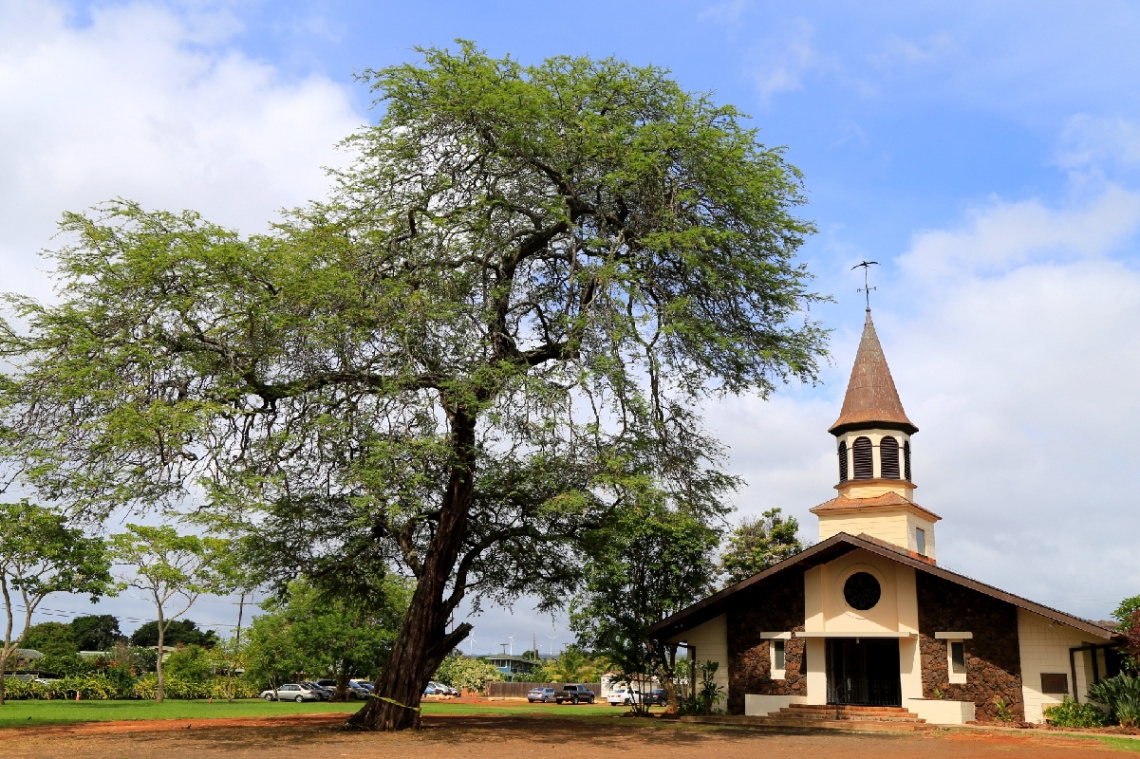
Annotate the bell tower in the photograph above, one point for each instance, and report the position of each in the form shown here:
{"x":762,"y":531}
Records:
{"x":873,"y":449}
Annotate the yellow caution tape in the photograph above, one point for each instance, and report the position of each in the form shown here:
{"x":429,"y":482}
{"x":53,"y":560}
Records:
{"x":394,"y":701}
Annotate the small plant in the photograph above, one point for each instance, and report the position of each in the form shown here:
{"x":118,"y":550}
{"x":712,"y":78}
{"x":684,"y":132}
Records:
{"x":1071,"y":714}
{"x":938,"y":693}
{"x":711,"y":691}
{"x":1121,"y":696}
{"x":1004,"y":713}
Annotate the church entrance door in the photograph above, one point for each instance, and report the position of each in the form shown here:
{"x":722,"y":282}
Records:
{"x":863,"y":672}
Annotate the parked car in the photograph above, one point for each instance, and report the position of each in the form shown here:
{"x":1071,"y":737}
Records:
{"x":358,"y":690}
{"x":442,"y":689}
{"x":290,"y":692}
{"x":323,"y":693}
{"x":658,"y":697}
{"x":542,"y":695}
{"x":574,"y":694}
{"x":624,"y":697}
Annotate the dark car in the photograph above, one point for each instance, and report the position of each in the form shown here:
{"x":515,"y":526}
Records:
{"x":323,"y":693}
{"x":658,"y":697}
{"x":574,"y":694}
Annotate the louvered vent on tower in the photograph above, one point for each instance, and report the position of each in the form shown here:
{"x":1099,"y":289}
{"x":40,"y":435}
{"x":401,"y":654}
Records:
{"x":843,"y":461}
{"x":906,"y":461}
{"x":864,"y":460}
{"x":889,"y":458}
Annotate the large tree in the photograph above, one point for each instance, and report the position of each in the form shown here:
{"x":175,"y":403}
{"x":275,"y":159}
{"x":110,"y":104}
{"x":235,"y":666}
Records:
{"x":758,"y":543}
{"x":506,"y":316}
{"x":41,"y":555}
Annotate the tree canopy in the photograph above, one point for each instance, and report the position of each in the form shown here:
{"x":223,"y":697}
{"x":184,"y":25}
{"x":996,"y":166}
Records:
{"x":180,"y":632}
{"x":503,"y":321}
{"x":759,"y":543}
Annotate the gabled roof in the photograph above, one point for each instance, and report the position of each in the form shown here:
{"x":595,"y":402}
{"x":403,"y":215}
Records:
{"x":871,"y":399}
{"x":838,"y":545}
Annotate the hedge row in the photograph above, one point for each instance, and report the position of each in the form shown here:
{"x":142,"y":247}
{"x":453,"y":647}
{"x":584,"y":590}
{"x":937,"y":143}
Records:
{"x":102,"y":688}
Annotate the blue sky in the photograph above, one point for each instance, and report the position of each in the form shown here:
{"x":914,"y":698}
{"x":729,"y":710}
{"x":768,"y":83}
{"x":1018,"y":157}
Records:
{"x":987,"y":154}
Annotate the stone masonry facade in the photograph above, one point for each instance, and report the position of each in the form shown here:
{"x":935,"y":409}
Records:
{"x":775,"y":606}
{"x":993,"y":660}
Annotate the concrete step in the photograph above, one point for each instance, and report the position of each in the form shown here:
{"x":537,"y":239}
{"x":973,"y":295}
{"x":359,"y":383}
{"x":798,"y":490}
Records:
{"x":822,"y":712}
{"x":807,"y":725}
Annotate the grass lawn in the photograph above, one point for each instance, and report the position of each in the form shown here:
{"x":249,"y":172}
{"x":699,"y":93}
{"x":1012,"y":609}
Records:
{"x":21,"y":713}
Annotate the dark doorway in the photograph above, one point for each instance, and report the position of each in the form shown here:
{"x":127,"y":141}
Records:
{"x":863,"y":672}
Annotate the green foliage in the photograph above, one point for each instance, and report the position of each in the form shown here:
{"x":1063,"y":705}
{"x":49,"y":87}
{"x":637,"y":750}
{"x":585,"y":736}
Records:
{"x":191,"y":664}
{"x":710,"y":692}
{"x":1121,"y":696}
{"x":51,"y":639}
{"x":1069,"y":713}
{"x":95,"y":632}
{"x":1004,"y":712}
{"x":645,"y":564}
{"x":758,"y":544}
{"x":179,"y":632}
{"x":574,"y":665}
{"x":1125,"y":611}
{"x":41,"y":555}
{"x":311,"y":635}
{"x":466,"y":673}
{"x":501,"y":324}
{"x":63,"y":665}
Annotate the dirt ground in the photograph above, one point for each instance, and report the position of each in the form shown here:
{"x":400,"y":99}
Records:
{"x":510,"y":738}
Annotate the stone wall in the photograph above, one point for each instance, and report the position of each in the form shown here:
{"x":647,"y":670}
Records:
{"x":776,"y":606}
{"x":993,"y":661}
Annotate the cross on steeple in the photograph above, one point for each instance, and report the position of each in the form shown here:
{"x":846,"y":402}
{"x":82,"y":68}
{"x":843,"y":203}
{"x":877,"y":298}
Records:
{"x":866,"y":288}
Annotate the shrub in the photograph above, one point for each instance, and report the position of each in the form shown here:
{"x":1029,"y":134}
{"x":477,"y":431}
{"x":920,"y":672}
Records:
{"x":1121,"y":695}
{"x":1071,"y":714}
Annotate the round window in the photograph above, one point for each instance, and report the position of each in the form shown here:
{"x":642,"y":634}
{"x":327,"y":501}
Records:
{"x":862,"y":591}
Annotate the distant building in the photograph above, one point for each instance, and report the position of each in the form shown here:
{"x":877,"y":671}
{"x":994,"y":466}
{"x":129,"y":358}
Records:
{"x":867,"y":617}
{"x":511,"y":666}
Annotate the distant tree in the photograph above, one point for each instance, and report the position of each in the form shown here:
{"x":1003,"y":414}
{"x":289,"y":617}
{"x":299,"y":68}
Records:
{"x":96,"y":632}
{"x":40,"y":555}
{"x":169,"y":567}
{"x":465,"y":673}
{"x":270,"y":656}
{"x":337,"y":636}
{"x":184,"y":632}
{"x":1125,"y":611}
{"x":51,"y":639}
{"x":758,"y":544}
{"x":646,"y":565}
{"x":519,"y":295}
{"x":573,"y":665}
{"x":190,"y":663}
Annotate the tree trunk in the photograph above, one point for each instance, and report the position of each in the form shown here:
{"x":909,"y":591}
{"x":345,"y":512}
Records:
{"x":423,"y":642}
{"x":158,"y":662}
{"x":3,"y":662}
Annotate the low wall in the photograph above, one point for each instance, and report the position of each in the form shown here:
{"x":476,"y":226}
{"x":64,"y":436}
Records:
{"x":762,"y":705}
{"x":941,"y":712}
{"x":519,"y":690}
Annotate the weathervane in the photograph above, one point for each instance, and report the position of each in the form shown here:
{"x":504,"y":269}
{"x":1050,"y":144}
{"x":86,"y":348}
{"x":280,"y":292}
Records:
{"x":866,"y":288}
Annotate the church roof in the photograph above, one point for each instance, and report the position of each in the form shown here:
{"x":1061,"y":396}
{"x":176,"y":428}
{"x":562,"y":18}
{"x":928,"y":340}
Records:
{"x":871,"y":399}
{"x":891,"y":500}
{"x":838,"y":545}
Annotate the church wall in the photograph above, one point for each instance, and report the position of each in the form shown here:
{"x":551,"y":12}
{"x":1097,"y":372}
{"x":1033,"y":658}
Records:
{"x":711,"y":643}
{"x":993,"y":657}
{"x":1045,"y":648}
{"x":884,"y":616}
{"x":775,"y":607}
{"x":891,"y":526}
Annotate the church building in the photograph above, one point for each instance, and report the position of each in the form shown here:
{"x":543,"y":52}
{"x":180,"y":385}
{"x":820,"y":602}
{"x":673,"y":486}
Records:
{"x":867,"y":618}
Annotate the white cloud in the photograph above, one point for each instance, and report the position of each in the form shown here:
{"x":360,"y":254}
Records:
{"x":782,"y":60}
{"x":150,"y":105}
{"x":1004,"y":234}
{"x":902,"y":52}
{"x":728,"y":13}
{"x":1089,"y":141}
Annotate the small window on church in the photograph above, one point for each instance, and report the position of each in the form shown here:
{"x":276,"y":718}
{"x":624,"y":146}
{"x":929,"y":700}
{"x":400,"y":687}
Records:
{"x":889,"y":458}
{"x":906,"y":461}
{"x":779,"y":661}
{"x":920,"y":540}
{"x":843,"y":461}
{"x":957,"y":656}
{"x":864,"y":461}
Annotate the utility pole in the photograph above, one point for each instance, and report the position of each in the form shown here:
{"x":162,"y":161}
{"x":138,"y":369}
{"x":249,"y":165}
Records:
{"x":237,"y":647}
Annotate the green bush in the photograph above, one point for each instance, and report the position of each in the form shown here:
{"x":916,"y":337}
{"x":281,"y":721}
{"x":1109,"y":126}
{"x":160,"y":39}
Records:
{"x":1071,"y":714}
{"x":1121,"y":695}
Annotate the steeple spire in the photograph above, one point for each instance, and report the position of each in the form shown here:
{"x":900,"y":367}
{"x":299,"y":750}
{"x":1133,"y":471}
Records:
{"x":871,"y":400}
